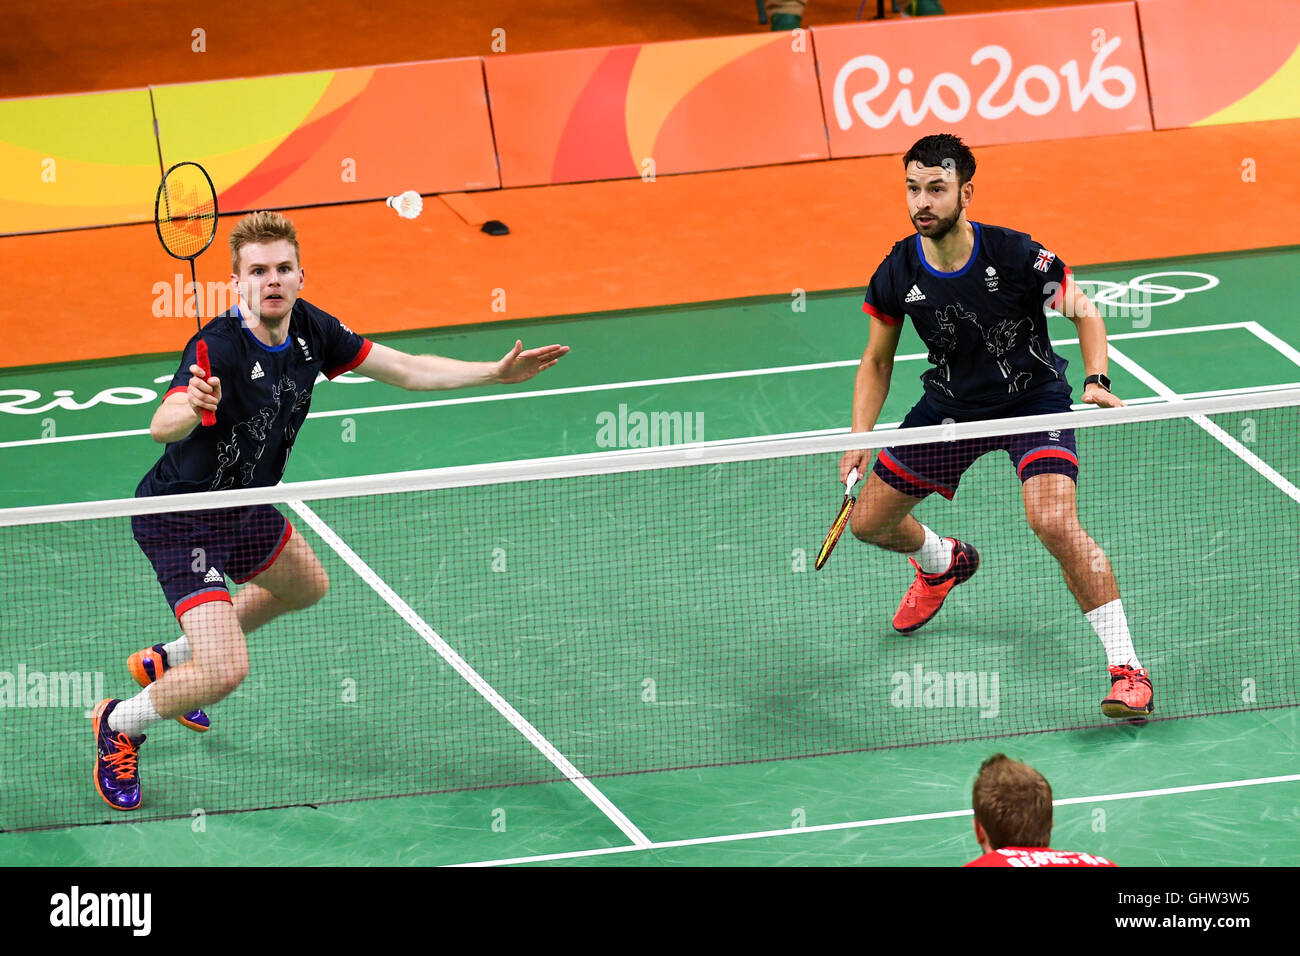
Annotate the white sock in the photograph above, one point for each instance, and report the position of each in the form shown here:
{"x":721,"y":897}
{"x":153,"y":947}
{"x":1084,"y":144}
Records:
{"x":130,"y":717}
{"x":1112,"y":627}
{"x":935,"y":553}
{"x":178,"y":651}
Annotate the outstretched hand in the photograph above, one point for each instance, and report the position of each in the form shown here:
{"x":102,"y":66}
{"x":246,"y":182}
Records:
{"x":519,"y":366}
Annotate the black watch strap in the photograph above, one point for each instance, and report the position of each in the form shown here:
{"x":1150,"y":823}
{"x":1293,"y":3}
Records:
{"x":1101,"y":380}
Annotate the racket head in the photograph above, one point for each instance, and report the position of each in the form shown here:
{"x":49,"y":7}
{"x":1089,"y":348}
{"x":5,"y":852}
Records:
{"x":185,"y":211}
{"x":837,"y":529}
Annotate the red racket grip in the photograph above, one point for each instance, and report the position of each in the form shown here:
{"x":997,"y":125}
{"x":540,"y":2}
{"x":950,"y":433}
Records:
{"x":209,"y":417}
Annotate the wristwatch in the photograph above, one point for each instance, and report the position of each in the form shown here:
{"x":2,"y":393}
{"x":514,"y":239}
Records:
{"x":1101,"y":380}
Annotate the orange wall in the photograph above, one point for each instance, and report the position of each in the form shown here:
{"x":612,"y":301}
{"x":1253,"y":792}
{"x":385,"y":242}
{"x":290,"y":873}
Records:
{"x":610,"y":113}
{"x":1196,"y":77}
{"x":646,"y":110}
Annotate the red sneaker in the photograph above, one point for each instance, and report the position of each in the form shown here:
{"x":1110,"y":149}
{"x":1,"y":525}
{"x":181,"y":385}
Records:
{"x":1130,"y":693}
{"x":928,"y":592}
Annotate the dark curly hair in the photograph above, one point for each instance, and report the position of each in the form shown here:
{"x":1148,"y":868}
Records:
{"x":943,"y":149}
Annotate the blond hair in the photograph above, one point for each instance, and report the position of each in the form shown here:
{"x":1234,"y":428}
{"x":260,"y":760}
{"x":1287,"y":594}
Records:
{"x":261,"y":227}
{"x":1013,"y":803}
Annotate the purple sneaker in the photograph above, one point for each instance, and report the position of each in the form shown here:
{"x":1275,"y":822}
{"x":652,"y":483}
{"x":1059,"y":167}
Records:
{"x":117,"y":771}
{"x":147,"y":666}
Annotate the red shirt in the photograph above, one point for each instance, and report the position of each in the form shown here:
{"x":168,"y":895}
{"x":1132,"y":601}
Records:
{"x":1038,"y":856}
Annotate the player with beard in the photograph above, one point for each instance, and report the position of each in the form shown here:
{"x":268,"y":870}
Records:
{"x":976,"y":294}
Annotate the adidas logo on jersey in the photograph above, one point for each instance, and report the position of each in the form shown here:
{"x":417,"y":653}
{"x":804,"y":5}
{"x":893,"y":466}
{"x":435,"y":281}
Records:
{"x":212,"y":577}
{"x":916,"y":295}
{"x":257,"y":371}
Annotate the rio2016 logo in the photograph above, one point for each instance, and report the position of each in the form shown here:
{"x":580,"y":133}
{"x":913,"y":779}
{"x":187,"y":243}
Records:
{"x":1036,"y":90}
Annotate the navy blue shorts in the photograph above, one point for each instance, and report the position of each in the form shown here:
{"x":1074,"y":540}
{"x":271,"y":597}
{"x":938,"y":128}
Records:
{"x":193,"y":552}
{"x":920,"y":470}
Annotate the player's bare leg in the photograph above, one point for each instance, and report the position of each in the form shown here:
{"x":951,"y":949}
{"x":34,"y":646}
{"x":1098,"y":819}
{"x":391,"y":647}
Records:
{"x":1052,"y":509}
{"x":215,"y":662}
{"x":883,"y":517}
{"x":218,"y":662}
{"x":294,"y":582}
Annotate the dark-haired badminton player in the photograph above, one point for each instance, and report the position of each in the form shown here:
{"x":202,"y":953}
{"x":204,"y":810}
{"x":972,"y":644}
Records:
{"x":977,"y":295}
{"x":266,"y":354}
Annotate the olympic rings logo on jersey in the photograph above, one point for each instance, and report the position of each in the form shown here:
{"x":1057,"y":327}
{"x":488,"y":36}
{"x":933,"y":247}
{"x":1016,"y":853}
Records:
{"x":1135,"y":298}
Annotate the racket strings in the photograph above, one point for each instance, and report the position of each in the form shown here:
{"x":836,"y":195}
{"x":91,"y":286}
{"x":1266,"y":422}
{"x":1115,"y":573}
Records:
{"x":187,"y":217}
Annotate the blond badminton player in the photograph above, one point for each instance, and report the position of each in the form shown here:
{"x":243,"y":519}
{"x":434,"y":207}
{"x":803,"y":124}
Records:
{"x":265,"y":355}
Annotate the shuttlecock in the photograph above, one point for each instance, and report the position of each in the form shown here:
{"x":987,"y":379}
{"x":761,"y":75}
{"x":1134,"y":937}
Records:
{"x":408,"y":205}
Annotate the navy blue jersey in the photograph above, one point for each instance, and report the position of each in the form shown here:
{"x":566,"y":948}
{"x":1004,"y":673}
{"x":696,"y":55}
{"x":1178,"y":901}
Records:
{"x":265,"y":395}
{"x":985,"y":325}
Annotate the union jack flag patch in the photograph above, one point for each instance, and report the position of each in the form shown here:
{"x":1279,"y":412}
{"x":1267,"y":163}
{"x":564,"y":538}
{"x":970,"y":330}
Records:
{"x":1044,"y":260}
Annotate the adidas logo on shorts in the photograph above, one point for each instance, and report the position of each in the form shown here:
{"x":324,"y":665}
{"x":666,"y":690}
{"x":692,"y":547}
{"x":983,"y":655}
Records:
{"x":212,"y":577}
{"x":257,"y":371}
{"x":916,"y":295}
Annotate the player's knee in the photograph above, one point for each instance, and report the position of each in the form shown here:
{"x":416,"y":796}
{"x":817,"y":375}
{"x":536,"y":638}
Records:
{"x":235,"y":676}
{"x":1055,"y":527}
{"x":221,"y":679}
{"x":314,"y":589}
{"x":308,"y":590}
{"x":869,"y":529}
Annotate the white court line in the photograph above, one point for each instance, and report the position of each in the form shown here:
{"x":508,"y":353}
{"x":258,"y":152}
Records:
{"x":883,"y":821}
{"x":1149,"y":333}
{"x":1234,"y":446}
{"x":612,"y":386}
{"x":476,"y":681}
{"x":510,"y":396}
{"x":59,"y":439}
{"x":1265,"y":335}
